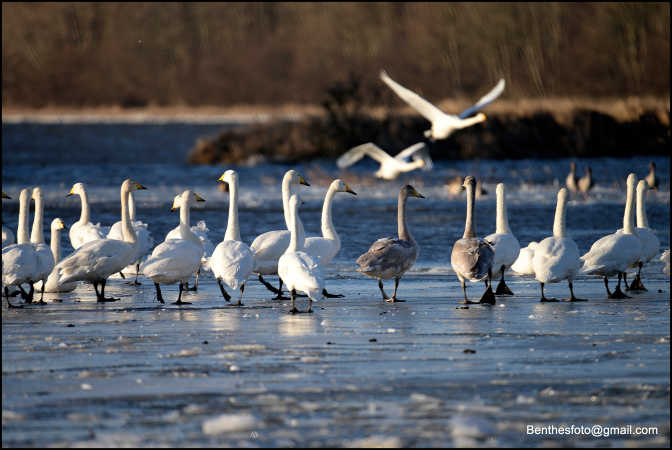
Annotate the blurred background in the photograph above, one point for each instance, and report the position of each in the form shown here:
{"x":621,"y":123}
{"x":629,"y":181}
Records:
{"x":168,"y":54}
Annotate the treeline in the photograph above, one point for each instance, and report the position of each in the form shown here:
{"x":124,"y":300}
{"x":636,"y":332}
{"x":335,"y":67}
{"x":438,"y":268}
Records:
{"x":137,"y":54}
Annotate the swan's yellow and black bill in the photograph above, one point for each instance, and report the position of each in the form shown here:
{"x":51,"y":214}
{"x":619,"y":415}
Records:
{"x":303,"y":181}
{"x":62,"y":226}
{"x":198,"y":198}
{"x":71,"y":192}
{"x":415,"y":193}
{"x":138,"y":186}
{"x":5,"y":196}
{"x":347,"y":189}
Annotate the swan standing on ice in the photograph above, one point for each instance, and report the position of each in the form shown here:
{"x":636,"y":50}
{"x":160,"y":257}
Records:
{"x":96,"y":260}
{"x":665,"y":259}
{"x":299,"y":270}
{"x":45,"y":257}
{"x":7,"y":234}
{"x":326,"y":247}
{"x":389,"y":257}
{"x":586,"y":182}
{"x":176,"y":259}
{"x":269,"y":247}
{"x":390,"y":167}
{"x":523,"y":264}
{"x":83,"y":230}
{"x":571,"y":180}
{"x":556,"y":258}
{"x":52,"y":284}
{"x":201,"y":231}
{"x":232,"y":261}
{"x":19,"y":261}
{"x":443,"y":125}
{"x":472,"y":257}
{"x":614,"y":253}
{"x":145,"y":239}
{"x":648,"y":239}
{"x":505,"y":244}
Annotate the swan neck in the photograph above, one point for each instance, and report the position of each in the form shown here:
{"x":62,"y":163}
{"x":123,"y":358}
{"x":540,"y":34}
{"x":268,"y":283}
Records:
{"x":127,"y":231}
{"x":402,"y":225}
{"x":55,"y":245}
{"x":328,"y":230}
{"x":131,"y":206}
{"x":502,"y":215}
{"x":469,"y":223}
{"x":297,"y":234}
{"x":642,"y":220}
{"x":85,"y":216}
{"x":628,"y":214}
{"x":559,"y":221}
{"x":22,"y":236}
{"x":37,"y":235}
{"x":232,"y":227}
{"x":286,"y":192}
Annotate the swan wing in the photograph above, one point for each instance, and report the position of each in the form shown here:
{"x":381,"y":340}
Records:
{"x":485,"y":100}
{"x":19,"y":262}
{"x":322,"y":248}
{"x":556,"y":259}
{"x":96,"y":260}
{"x":173,"y":260}
{"x":417,"y":151}
{"x":611,"y":253}
{"x":270,"y":245}
{"x":302,"y":272}
{"x":45,"y":261}
{"x":388,"y":257}
{"x":506,"y":248}
{"x":356,"y":153}
{"x":421,"y":105}
{"x":472,"y":258}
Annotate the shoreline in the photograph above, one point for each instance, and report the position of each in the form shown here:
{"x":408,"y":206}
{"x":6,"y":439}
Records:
{"x":562,"y":108}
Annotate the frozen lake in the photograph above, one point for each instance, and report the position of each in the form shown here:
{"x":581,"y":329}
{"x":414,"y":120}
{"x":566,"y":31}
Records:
{"x":358,"y":371}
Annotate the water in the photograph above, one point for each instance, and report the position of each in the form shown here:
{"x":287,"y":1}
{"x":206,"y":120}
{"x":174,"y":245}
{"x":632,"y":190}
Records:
{"x":139,"y":373}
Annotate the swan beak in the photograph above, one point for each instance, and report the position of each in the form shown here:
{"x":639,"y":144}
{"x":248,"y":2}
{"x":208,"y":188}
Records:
{"x":198,"y":198}
{"x":70,"y":193}
{"x":63,"y":227}
{"x":303,"y":181}
{"x":224,"y":183}
{"x":417,"y":194}
{"x":347,"y":189}
{"x":5,"y":196}
{"x":138,"y":186}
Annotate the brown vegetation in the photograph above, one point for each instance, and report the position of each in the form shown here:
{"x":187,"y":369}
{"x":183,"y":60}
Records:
{"x":168,"y":54}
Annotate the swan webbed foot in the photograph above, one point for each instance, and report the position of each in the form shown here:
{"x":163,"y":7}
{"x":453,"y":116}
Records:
{"x":180,"y":302}
{"x":294,"y":311}
{"x":328,"y":295}
{"x":238,"y":303}
{"x":618,"y":294}
{"x":108,"y":299}
{"x":488,"y":297}
{"x":41,"y":302}
{"x":636,"y":285}
{"x":575,"y":299}
{"x":503,"y":289}
{"x":548,"y":300}
{"x":133,"y":283}
{"x":394,"y":300}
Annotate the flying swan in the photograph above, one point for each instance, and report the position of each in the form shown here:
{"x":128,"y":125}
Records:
{"x":390,"y":167}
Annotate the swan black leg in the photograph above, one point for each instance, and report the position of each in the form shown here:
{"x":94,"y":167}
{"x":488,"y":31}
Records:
{"x":502,"y":288}
{"x":179,"y":297}
{"x":328,"y":295}
{"x":102,"y":293}
{"x":293,"y":309}
{"x":135,"y":282}
{"x":637,"y":284}
{"x":572,"y":298}
{"x":464,"y":291}
{"x":225,"y":294}
{"x":543,"y":297}
{"x":618,"y":293}
{"x":42,"y":302}
{"x":380,"y":286}
{"x":240,"y":297}
{"x":159,"y":297}
{"x":488,"y":296}
{"x":394,"y":298}
{"x":195,"y":288}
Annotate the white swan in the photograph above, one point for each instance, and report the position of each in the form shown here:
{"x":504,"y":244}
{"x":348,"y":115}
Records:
{"x":19,"y":261}
{"x":471,"y":257}
{"x":389,"y":257}
{"x":586,"y":182}
{"x":299,"y":270}
{"x":443,"y":125}
{"x":614,"y":253}
{"x":201,"y":231}
{"x":7,"y":234}
{"x":505,"y":244}
{"x":269,"y":246}
{"x":665,"y":259}
{"x":651,"y":179}
{"x":390,"y":167}
{"x":176,"y":260}
{"x":232,"y":261}
{"x":326,"y":247}
{"x":52,"y":284}
{"x":145,"y":239}
{"x":556,"y":258}
{"x":96,"y":260}
{"x":523,"y":264}
{"x":45,"y":257}
{"x":83,"y":230}
{"x":648,"y":239}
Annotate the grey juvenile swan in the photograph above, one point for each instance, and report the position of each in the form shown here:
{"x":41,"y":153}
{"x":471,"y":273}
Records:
{"x":472,"y":256}
{"x":389,"y":257}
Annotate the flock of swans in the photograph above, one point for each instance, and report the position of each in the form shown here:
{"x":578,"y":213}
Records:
{"x":298,"y":261}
